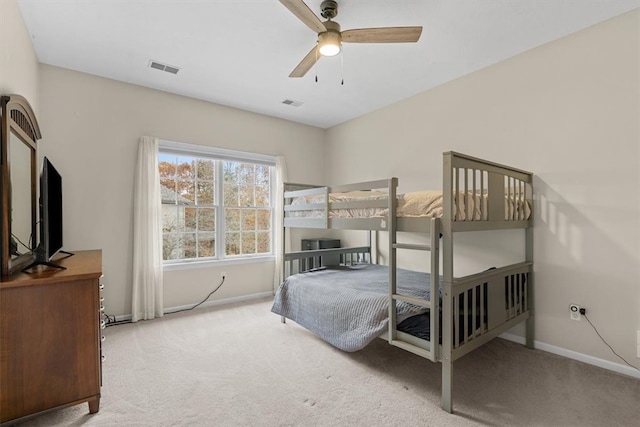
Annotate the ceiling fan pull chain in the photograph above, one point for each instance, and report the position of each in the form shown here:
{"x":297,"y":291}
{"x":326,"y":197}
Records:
{"x":315,"y":66}
{"x":342,"y":68}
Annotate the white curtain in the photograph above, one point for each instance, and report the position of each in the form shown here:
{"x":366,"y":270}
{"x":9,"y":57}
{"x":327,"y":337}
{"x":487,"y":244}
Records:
{"x":279,"y":237}
{"x":147,"y":234}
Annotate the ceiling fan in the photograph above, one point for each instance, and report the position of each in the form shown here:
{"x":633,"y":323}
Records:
{"x":330,"y":37}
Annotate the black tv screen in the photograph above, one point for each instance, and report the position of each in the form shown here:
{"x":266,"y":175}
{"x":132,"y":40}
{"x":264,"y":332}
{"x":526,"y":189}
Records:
{"x":51,"y":213}
{"x":50,"y":219}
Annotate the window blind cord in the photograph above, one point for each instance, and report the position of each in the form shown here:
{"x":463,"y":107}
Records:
{"x":111,"y":320}
{"x":604,"y":341}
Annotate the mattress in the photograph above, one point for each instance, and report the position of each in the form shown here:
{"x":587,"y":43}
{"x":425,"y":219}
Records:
{"x":417,"y":204}
{"x":348,"y":306}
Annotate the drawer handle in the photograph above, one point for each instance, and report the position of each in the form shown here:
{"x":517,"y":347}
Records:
{"x":101,"y":286}
{"x":103,"y":324}
{"x":102,"y":338}
{"x":101,"y":308}
{"x":103,"y":358}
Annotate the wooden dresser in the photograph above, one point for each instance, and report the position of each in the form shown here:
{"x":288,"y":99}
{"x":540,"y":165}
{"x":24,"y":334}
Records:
{"x":50,"y":337}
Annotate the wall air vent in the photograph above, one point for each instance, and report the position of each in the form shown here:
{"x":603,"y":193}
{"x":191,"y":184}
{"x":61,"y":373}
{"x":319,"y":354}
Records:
{"x":292,"y":102}
{"x":163,"y":67}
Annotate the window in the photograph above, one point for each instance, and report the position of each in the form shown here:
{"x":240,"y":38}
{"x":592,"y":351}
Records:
{"x":216,"y":204}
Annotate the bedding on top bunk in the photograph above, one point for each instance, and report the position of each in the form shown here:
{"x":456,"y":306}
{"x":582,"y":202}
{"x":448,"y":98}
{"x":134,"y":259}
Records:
{"x":426,"y":203}
{"x":348,"y":306}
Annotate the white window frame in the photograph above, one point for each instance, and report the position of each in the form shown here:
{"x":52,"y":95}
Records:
{"x":181,"y":148}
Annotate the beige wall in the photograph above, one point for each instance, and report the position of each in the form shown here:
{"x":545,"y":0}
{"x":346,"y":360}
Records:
{"x":567,"y":111}
{"x":18,"y":61}
{"x":91,"y":127}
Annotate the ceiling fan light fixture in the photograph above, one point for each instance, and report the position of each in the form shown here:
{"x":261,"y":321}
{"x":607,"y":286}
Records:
{"x":329,"y":43}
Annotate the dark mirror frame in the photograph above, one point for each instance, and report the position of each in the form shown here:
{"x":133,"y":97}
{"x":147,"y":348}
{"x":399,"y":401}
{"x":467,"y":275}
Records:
{"x":19,"y":124}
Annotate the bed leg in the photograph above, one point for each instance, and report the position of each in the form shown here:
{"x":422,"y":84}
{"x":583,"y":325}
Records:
{"x":447,"y":381}
{"x":529,"y":327}
{"x":283,"y":319}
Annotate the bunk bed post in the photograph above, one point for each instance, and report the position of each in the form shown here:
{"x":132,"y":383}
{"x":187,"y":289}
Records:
{"x":435,"y":288}
{"x":529,"y":323}
{"x":447,"y":297}
{"x":391,"y":228}
{"x":283,"y":246}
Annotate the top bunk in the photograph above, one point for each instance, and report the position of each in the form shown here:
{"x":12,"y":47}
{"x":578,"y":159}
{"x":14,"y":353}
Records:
{"x":476,"y":195}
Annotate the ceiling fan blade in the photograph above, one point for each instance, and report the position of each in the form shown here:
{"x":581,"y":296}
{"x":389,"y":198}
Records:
{"x":302,"y":11}
{"x":306,"y":63}
{"x":382,"y":35}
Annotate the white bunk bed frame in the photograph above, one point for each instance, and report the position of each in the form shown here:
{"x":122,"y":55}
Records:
{"x":491,"y":301}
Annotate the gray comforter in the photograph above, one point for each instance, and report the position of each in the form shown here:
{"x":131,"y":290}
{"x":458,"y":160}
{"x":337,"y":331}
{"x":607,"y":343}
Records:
{"x":348,"y":306}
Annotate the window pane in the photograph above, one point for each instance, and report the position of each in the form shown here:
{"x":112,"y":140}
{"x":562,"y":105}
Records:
{"x":264,"y":242}
{"x":248,"y":243}
{"x":205,"y":169}
{"x":185,"y":168}
{"x":263,"y":219}
{"x":206,"y":245}
{"x":248,"y":220}
{"x":190,"y":219}
{"x":246,"y":173}
{"x":246,"y":195}
{"x":230,"y":195}
{"x":170,"y":247}
{"x":205,"y":193}
{"x":180,"y":218}
{"x":187,"y":192}
{"x":167,"y":168}
{"x":206,"y":219}
{"x":230,"y":172}
{"x":262,"y":195}
{"x":170,"y":218}
{"x":262,"y":174}
{"x":232,"y":219}
{"x":168,"y":191}
{"x":232,"y":244}
{"x":188,"y":242}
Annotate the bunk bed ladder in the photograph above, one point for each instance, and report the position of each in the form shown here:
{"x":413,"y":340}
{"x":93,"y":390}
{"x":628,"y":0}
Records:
{"x":395,"y":337}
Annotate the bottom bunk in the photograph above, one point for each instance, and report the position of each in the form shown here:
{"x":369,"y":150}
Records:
{"x":348,"y":305}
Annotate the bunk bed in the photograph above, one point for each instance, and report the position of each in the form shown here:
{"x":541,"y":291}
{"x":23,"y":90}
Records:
{"x":398,"y":305}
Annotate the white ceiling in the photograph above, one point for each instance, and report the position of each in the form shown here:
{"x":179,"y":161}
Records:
{"x":239,"y":53}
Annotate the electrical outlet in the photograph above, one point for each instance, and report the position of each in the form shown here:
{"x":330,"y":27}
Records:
{"x":574,"y":312}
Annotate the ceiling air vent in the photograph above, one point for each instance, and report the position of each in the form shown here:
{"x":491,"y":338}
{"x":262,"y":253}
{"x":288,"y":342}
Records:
{"x":292,"y":102}
{"x":164,"y":67}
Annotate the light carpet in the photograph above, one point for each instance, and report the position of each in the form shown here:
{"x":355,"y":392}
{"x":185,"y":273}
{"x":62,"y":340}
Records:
{"x":238,"y":365}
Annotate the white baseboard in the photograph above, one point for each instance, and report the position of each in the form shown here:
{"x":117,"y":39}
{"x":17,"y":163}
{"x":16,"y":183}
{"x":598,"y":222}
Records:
{"x":127,"y":317}
{"x":601,"y":363}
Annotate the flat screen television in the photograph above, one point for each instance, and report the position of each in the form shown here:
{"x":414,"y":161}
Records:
{"x":50,"y":217}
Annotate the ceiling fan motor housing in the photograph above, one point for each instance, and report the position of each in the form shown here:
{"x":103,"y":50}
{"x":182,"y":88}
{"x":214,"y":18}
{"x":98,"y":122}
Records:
{"x":332,"y":26}
{"x":329,"y":9}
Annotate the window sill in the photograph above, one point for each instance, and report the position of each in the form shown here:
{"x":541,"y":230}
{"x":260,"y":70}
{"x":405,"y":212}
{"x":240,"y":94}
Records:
{"x":193,"y":265}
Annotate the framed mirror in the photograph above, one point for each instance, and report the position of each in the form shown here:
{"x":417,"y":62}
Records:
{"x":20,"y":132}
